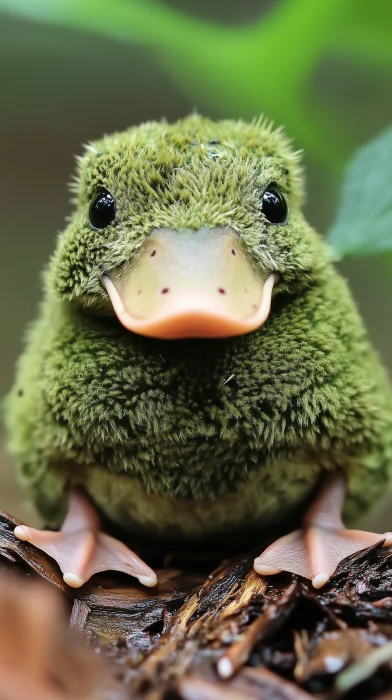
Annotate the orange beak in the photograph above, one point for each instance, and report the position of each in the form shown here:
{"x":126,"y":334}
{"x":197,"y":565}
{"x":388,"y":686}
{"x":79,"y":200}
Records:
{"x":190,"y":284}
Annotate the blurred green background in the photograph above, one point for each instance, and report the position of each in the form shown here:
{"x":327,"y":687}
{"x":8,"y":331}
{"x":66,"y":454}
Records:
{"x":71,"y":70}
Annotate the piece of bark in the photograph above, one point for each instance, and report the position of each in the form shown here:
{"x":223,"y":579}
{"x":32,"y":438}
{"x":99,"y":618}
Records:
{"x":232,"y":634}
{"x":39,"y":657}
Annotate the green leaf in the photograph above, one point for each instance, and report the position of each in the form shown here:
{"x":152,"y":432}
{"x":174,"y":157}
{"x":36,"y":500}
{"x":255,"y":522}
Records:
{"x":364,"y":222}
{"x":267,"y":66}
{"x":238,"y":71}
{"x":365,"y":36}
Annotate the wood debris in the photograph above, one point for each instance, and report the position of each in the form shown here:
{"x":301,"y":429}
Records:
{"x":230,"y":634}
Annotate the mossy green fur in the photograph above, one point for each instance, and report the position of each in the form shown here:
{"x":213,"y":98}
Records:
{"x":306,"y":391}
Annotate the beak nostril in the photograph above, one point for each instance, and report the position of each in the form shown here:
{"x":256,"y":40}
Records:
{"x":140,"y":291}
{"x":233,"y":252}
{"x":153,"y":253}
{"x":165,"y":290}
{"x":221,"y":290}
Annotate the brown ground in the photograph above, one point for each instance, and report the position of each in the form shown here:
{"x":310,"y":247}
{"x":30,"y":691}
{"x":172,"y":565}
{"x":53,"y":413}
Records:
{"x":276,"y":638}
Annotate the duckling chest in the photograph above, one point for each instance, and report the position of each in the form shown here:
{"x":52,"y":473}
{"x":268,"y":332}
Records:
{"x":266,"y":495}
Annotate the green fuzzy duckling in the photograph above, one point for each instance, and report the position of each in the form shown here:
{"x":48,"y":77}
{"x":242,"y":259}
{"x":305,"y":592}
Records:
{"x":198,"y":366}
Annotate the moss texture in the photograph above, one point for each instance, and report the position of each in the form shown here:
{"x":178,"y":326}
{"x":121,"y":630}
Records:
{"x":306,"y":391}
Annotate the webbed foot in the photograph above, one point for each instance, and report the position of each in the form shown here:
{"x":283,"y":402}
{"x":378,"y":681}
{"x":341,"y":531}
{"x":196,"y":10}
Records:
{"x":315,"y":551}
{"x":81,"y":550}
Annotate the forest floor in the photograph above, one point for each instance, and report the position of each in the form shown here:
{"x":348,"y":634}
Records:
{"x":198,"y":635}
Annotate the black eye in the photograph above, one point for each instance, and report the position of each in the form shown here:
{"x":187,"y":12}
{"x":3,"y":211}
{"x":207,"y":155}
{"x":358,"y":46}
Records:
{"x":102,"y":210}
{"x":274,"y":205}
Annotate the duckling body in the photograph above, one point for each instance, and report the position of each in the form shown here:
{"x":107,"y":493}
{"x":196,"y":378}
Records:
{"x":171,"y":433}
